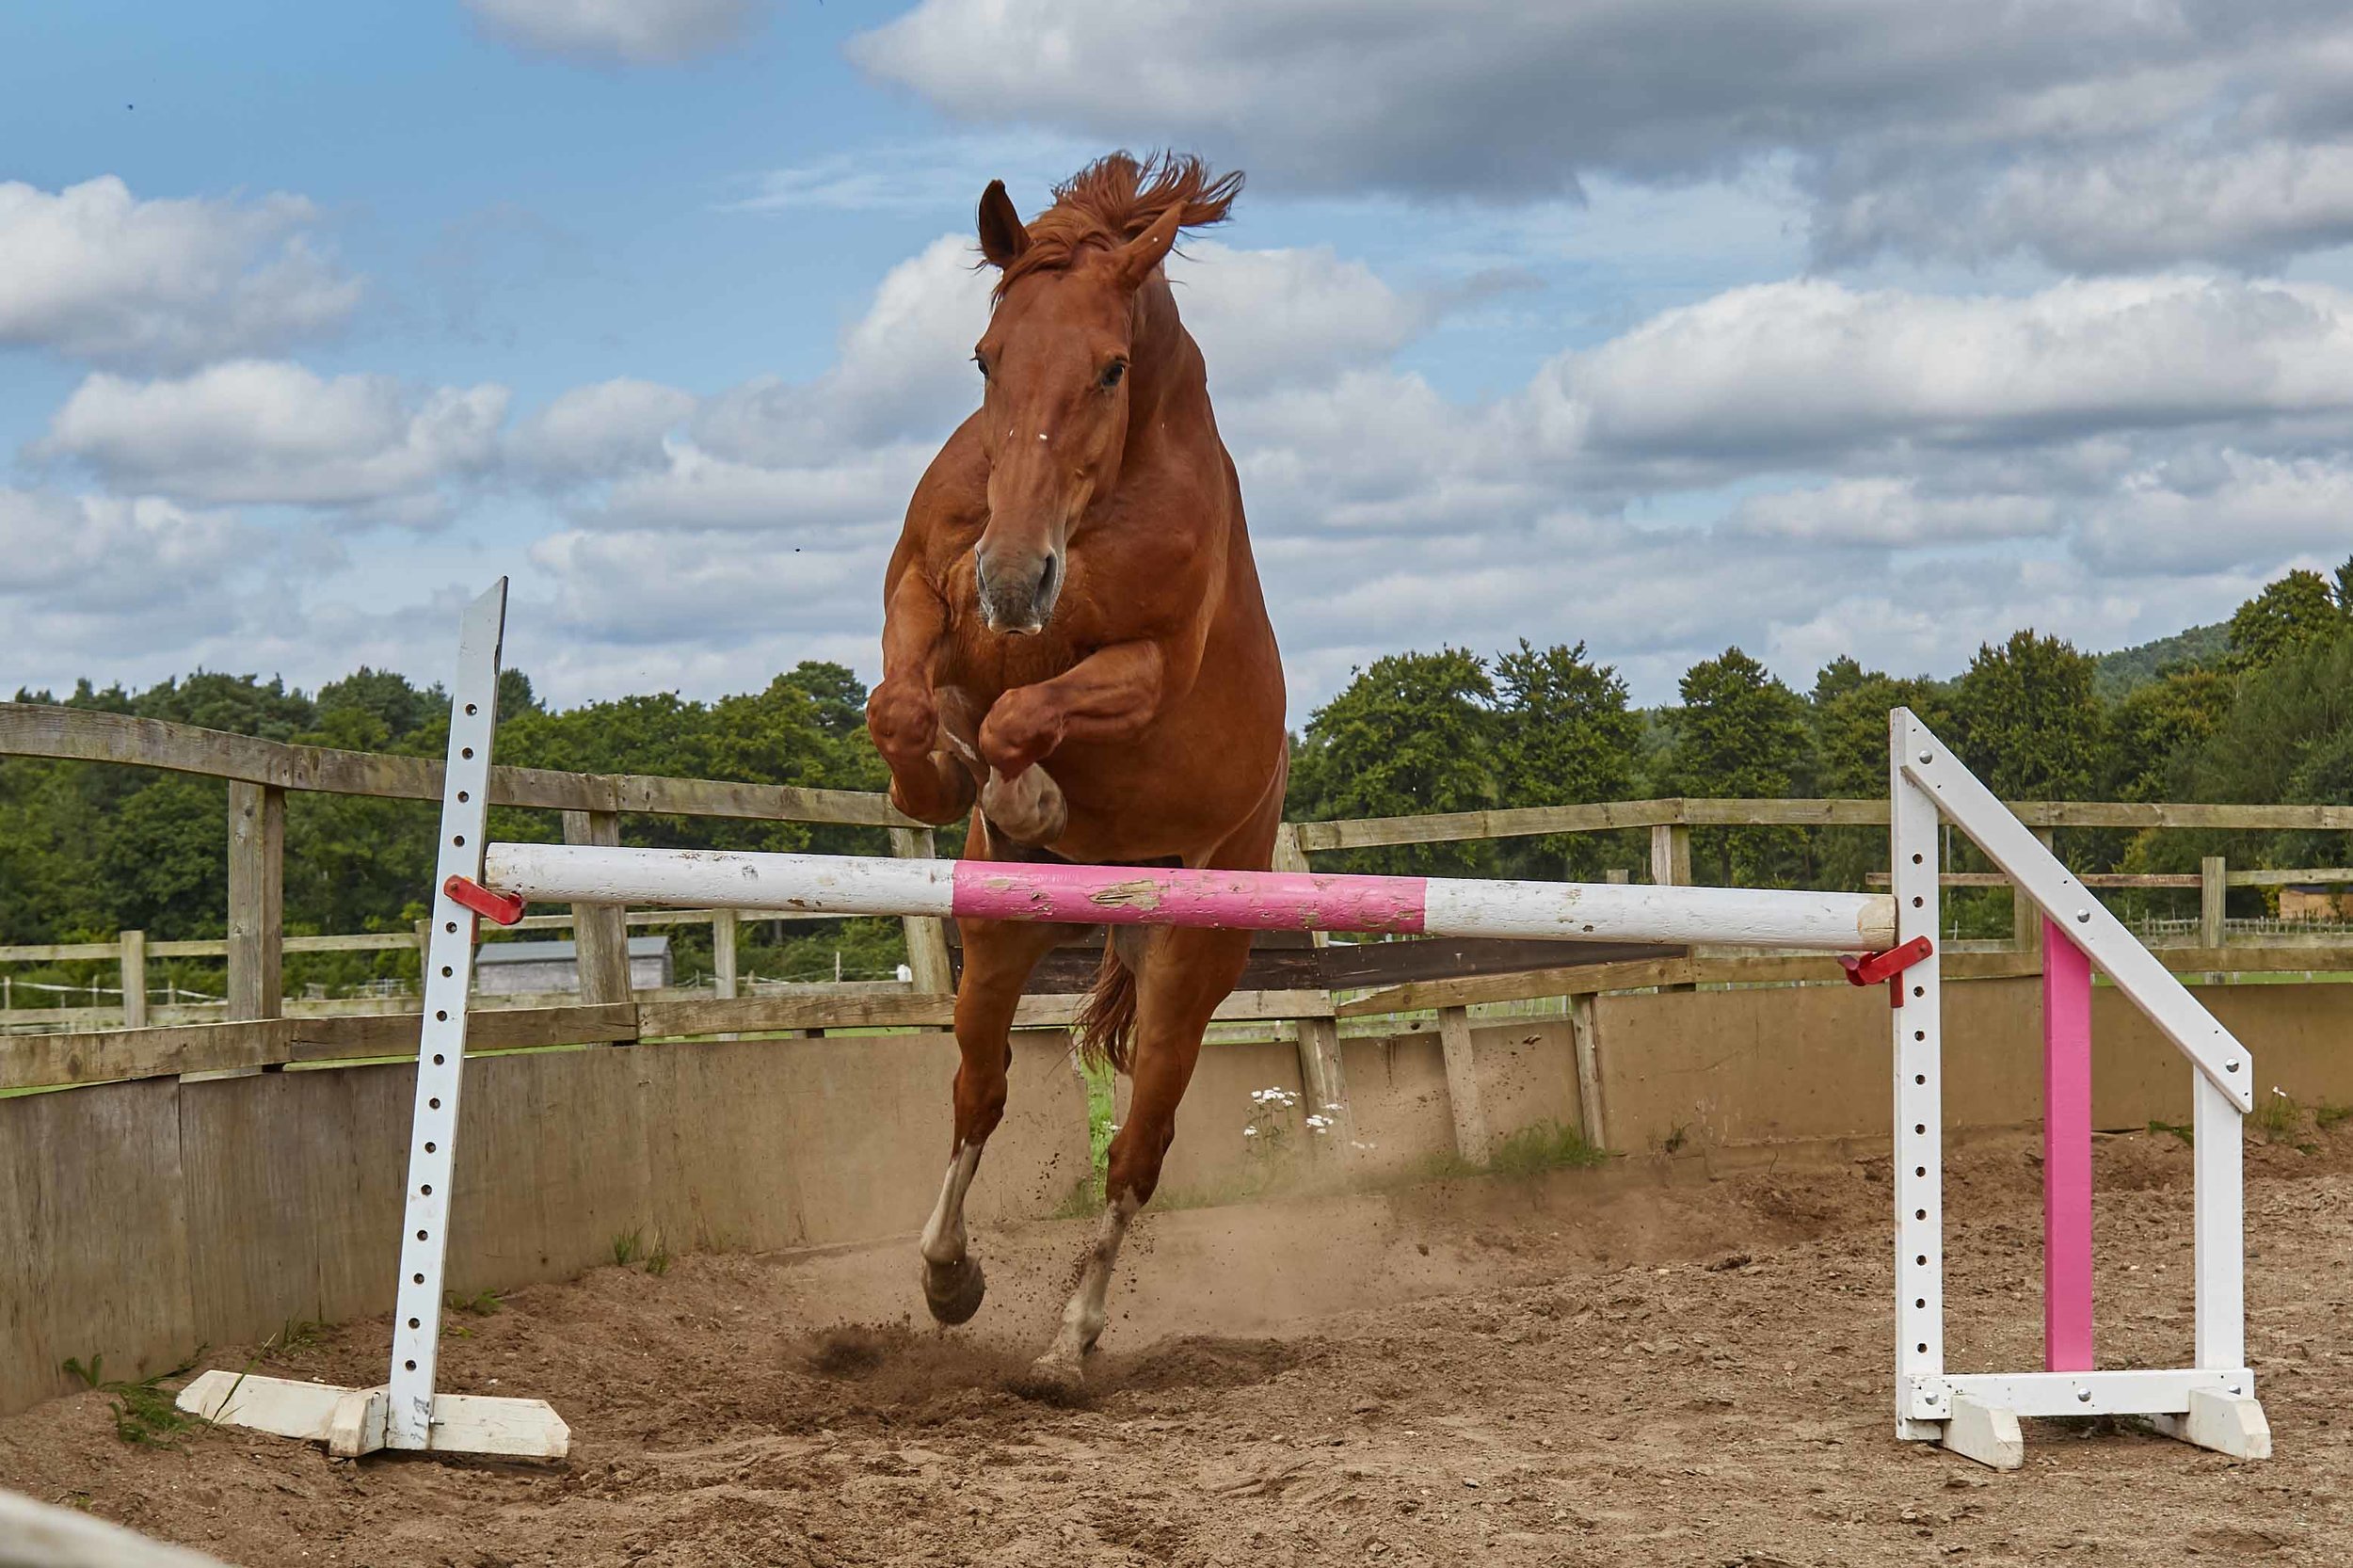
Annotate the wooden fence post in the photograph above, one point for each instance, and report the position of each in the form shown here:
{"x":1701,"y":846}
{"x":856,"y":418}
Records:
{"x":2025,"y":921}
{"x":2212,"y":884}
{"x":1671,"y":856}
{"x":1589,"y":1118}
{"x":723,"y":953}
{"x":2213,"y":888}
{"x":1462,"y":1086}
{"x":722,"y":958}
{"x":257,"y":869}
{"x":134,"y":980}
{"x":1323,"y":1077}
{"x":927,"y":939}
{"x":1670,"y":864}
{"x":599,"y":931}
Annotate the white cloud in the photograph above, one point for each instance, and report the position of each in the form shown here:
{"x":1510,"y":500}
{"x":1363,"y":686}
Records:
{"x":597,"y":431}
{"x":112,"y":553}
{"x":2211,"y":509}
{"x":1780,"y":373}
{"x":858,"y":488}
{"x":633,"y":32}
{"x":269,"y":432}
{"x":1937,"y":130}
{"x":1269,"y":318}
{"x":95,"y":273}
{"x":1892,"y":511}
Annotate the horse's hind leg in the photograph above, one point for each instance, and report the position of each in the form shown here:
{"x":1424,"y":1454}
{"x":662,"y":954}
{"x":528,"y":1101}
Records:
{"x":1186,"y":972}
{"x":997,"y":958}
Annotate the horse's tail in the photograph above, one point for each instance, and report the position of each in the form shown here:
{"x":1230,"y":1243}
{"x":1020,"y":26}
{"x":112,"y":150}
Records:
{"x":1107,"y":1023}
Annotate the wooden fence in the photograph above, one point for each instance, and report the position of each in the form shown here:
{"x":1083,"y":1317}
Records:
{"x":1314,"y":990}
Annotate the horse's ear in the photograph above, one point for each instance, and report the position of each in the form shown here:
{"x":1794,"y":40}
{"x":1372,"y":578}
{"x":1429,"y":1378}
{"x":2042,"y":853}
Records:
{"x":1152,"y":247}
{"x":1003,"y":237}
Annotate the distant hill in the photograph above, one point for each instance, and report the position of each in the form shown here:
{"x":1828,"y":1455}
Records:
{"x":2121,"y":671}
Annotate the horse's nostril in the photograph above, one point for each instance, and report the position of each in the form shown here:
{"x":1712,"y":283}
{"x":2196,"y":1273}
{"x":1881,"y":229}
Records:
{"x":1045,"y":578}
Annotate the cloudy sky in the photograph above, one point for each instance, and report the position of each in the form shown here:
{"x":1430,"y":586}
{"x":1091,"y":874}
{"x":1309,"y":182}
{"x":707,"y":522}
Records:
{"x":1815,"y":325}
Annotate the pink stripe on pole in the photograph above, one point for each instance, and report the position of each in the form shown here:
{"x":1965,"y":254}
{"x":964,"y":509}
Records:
{"x":2066,"y":1154}
{"x":1146,"y":895}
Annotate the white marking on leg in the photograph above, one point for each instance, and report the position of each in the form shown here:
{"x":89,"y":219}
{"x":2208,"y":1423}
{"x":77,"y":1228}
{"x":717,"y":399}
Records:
{"x":943,"y":1238}
{"x":1082,"y":1321}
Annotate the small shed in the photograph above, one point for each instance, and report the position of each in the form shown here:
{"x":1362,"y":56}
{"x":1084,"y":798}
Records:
{"x":2316,"y":903}
{"x":511,"y":968}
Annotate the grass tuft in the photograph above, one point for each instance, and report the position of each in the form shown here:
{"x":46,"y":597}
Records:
{"x":2178,"y":1129}
{"x":144,"y":1413}
{"x":628,"y":1247}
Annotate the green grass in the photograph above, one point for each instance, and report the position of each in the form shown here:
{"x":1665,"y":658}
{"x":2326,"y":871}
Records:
{"x":2278,"y":1117}
{"x":2178,"y":1129}
{"x":2327,"y":1116}
{"x":1087,"y":1197}
{"x":144,"y":1413}
{"x":482,"y":1303}
{"x":1538,"y":1147}
{"x":628,"y":1247}
{"x":297,"y":1334}
{"x":658,"y":1260}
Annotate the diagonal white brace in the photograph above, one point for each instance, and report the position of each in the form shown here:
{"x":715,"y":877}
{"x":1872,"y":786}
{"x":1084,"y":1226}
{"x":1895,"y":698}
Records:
{"x":1971,"y":806}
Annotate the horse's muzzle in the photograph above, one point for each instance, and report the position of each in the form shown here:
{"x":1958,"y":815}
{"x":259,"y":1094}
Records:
{"x":1018,"y":591}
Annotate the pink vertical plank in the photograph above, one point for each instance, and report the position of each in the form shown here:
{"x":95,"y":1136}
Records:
{"x":2066,"y":1154}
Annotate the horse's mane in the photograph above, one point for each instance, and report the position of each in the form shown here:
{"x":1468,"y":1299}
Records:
{"x":1113,"y":200}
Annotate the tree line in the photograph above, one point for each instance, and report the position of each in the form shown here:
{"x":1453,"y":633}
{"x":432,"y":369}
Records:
{"x":2259,"y":710}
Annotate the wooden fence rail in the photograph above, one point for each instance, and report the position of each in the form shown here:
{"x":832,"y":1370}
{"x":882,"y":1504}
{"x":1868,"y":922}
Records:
{"x":259,"y":772}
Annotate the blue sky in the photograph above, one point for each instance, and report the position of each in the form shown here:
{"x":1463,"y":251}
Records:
{"x":1810,"y":327}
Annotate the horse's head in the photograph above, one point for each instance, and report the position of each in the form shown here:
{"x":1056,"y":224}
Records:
{"x":1054,"y":414}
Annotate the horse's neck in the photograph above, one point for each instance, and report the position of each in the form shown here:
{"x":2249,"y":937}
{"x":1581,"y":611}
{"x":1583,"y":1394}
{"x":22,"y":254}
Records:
{"x":1164,"y":367}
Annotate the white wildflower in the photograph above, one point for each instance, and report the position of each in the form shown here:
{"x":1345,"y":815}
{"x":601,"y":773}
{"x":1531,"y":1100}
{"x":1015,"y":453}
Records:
{"x":1250,"y":1132}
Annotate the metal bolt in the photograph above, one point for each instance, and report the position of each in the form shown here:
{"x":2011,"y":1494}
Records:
{"x":1928,"y":757}
{"x":2083,"y":1396}
{"x":2230,"y":1067}
{"x":2082,"y":916}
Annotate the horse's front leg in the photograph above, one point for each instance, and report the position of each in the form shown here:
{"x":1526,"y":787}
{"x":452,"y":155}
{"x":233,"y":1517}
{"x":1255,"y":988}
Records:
{"x":928,"y":780}
{"x":1186,"y":972}
{"x":1111,"y":695}
{"x":997,"y":958}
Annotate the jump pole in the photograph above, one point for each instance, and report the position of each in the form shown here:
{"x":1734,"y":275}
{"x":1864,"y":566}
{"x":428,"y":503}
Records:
{"x":2211,"y":1403}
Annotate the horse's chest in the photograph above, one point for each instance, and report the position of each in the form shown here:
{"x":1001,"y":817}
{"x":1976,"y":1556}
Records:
{"x":985,"y":664}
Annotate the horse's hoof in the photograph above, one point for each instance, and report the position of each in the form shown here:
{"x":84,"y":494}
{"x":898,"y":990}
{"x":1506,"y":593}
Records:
{"x":1030,"y":810}
{"x":954,"y":1293}
{"x":1056,"y":1376}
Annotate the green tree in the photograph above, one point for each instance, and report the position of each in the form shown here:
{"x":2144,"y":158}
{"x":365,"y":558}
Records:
{"x":1412,"y":733}
{"x":2288,"y":736}
{"x":1564,"y":735}
{"x":1740,"y":733}
{"x":2156,"y":723}
{"x":2295,"y":612}
{"x":2026,"y":721}
{"x":1847,"y":712}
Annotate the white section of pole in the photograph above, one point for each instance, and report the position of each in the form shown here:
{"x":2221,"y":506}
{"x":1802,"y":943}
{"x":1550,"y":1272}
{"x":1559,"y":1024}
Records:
{"x":721,"y":879}
{"x":1616,"y":912}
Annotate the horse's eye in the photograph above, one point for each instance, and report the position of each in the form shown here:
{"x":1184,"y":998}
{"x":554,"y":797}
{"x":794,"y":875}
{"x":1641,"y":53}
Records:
{"x":1113,"y":372}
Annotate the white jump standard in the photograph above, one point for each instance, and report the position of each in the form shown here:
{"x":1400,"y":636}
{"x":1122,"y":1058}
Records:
{"x":1888,"y":937}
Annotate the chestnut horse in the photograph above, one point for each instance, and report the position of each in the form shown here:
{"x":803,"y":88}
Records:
{"x":1076,"y":652}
